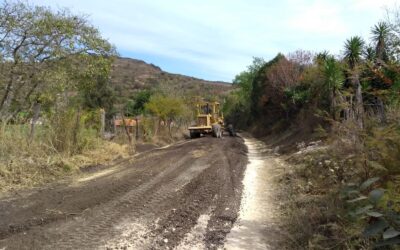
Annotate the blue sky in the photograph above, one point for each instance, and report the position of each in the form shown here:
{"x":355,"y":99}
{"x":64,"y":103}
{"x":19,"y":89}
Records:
{"x":216,"y":39}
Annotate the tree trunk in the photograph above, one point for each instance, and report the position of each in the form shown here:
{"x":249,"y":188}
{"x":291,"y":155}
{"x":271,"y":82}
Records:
{"x":137,"y":129}
{"x":381,"y":110}
{"x":76,"y":130}
{"x":114,"y":125}
{"x":359,"y":105}
{"x":169,"y":127}
{"x":36,"y":113}
{"x":6,"y":100}
{"x":333,"y":104}
{"x":126,"y":129}
{"x":102,"y":122}
{"x":157,"y":127}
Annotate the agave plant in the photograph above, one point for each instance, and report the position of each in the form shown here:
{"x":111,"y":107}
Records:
{"x":367,"y":203}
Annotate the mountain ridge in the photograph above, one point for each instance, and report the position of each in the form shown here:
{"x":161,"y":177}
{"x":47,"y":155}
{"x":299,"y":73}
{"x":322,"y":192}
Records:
{"x":176,"y":74}
{"x":129,"y":75}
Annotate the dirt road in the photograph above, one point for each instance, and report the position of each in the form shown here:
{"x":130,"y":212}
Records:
{"x":184,"y":196}
{"x":257,"y":226}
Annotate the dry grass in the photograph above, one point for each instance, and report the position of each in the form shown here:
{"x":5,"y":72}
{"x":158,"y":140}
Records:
{"x":311,"y":207}
{"x":26,"y":165}
{"x":316,"y":217}
{"x":52,"y":156}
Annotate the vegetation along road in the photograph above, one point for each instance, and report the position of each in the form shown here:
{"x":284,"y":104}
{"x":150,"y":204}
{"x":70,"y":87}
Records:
{"x":94,"y":148}
{"x":183,"y":196}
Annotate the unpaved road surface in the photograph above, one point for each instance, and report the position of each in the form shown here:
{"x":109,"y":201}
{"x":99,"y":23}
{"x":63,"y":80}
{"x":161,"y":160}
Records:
{"x":185,"y":196}
{"x":257,"y":226}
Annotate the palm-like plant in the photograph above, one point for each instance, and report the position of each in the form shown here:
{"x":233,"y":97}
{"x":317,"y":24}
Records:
{"x":380,"y":35}
{"x":352,"y":53}
{"x":333,"y":81}
{"x":369,"y":54}
{"x":321,"y":57}
{"x":333,"y":73}
{"x":353,"y":49}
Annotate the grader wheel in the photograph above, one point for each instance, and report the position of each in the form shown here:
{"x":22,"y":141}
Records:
{"x":194,"y":134}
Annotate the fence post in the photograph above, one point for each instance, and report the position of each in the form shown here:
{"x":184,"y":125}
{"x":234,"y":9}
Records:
{"x":102,"y":122}
{"x":137,"y":128}
{"x":126,"y":128}
{"x":36,"y":113}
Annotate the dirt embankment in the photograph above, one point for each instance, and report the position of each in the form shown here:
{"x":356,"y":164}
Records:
{"x":148,"y":202}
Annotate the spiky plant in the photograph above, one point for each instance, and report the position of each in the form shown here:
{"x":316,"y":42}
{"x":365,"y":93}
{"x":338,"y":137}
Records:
{"x":353,"y":49}
{"x":380,"y":35}
{"x":334,"y":80}
{"x":369,"y":54}
{"x":333,"y":73}
{"x":321,"y":57}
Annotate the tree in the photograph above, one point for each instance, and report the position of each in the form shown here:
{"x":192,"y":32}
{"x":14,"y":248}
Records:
{"x":99,"y":95}
{"x":380,"y":35}
{"x":259,"y":85}
{"x":283,"y":80}
{"x":353,"y":49}
{"x":245,"y":79}
{"x":166,"y":108}
{"x":321,"y":57}
{"x":333,"y":82}
{"x":240,"y":105}
{"x":136,"y":105}
{"x":36,"y":42}
{"x":370,"y":54}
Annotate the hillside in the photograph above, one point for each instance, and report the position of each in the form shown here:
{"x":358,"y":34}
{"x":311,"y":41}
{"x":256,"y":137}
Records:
{"x":129,"y":75}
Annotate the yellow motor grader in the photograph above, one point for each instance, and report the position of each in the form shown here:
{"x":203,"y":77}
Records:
{"x":209,"y":120}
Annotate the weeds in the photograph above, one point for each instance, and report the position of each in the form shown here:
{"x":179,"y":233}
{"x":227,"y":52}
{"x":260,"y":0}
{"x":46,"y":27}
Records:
{"x":51,"y":155}
{"x":335,"y":200}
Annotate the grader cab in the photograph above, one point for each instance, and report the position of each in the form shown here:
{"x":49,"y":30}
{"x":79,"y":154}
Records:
{"x":209,"y":120}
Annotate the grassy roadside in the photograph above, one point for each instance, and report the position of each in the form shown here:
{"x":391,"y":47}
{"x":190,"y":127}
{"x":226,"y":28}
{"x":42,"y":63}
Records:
{"x":316,"y":212}
{"x":307,"y":197}
{"x":25,"y":164}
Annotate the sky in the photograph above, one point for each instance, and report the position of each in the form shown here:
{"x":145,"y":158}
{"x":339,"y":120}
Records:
{"x":217,"y":39}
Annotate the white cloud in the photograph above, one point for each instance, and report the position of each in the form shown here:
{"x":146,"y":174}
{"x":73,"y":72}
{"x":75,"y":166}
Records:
{"x":371,"y":5}
{"x":318,"y":18}
{"x":221,"y":37}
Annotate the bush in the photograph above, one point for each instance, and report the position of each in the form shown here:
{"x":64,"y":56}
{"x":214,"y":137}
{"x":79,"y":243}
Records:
{"x":67,"y":132}
{"x":53,"y":153}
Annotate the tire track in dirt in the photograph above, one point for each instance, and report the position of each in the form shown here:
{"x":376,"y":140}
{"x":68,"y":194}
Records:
{"x":162,"y":192}
{"x":65,"y":201}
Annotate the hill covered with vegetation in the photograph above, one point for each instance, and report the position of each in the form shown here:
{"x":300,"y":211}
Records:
{"x":129,"y":76}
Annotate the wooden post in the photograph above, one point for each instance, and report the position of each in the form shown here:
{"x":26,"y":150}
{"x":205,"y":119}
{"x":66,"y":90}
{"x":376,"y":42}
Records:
{"x":126,"y":128}
{"x":76,"y":128}
{"x":114,"y":125}
{"x":137,"y":128}
{"x":102,"y":122}
{"x":169,"y":127}
{"x":36,"y":113}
